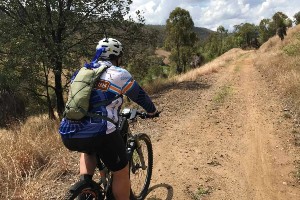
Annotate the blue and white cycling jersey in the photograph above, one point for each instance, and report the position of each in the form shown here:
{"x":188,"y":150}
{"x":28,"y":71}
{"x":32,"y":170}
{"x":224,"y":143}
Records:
{"x":114,"y":81}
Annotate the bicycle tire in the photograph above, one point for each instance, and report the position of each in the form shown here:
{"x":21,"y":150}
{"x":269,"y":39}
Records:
{"x":84,"y":190}
{"x":140,"y":185}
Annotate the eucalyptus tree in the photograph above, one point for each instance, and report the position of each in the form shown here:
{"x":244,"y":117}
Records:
{"x":222,"y":34}
{"x":266,"y":30}
{"x":180,"y":37}
{"x":280,"y":20}
{"x":297,"y":18}
{"x":247,"y":33}
{"x":45,"y":38}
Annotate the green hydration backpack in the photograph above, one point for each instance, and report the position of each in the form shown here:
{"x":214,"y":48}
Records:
{"x":80,"y":90}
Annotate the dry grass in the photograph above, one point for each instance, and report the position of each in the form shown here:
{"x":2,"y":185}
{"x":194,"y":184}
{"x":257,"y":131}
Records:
{"x":31,"y":158}
{"x":280,"y":62}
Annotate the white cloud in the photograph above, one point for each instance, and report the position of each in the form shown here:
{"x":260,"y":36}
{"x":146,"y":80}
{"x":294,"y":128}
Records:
{"x":212,"y":13}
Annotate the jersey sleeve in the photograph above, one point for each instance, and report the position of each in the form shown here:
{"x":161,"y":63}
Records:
{"x":123,"y":83}
{"x":139,"y":96}
{"x":128,"y":81}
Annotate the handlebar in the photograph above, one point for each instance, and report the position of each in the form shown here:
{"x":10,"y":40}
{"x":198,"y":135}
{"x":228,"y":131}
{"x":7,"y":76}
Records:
{"x":133,"y":113}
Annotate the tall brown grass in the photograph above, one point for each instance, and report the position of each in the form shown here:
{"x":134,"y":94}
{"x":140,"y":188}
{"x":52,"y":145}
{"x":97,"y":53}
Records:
{"x":31,"y":158}
{"x":280,"y":63}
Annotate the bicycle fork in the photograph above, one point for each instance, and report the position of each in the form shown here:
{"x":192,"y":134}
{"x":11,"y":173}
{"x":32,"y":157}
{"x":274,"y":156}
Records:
{"x":134,"y":143}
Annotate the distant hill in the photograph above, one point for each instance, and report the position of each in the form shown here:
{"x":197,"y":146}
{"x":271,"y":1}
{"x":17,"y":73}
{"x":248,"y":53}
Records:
{"x":203,"y":33}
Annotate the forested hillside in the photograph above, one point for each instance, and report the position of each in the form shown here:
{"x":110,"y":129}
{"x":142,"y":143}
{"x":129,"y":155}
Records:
{"x":202,"y":33}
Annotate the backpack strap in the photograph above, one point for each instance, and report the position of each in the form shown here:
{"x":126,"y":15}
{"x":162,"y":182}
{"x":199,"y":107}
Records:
{"x":95,"y":115}
{"x":106,"y":102}
{"x":103,"y":103}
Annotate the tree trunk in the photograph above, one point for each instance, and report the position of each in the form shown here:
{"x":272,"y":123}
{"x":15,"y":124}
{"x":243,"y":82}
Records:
{"x":51,"y":114}
{"x":50,"y":108}
{"x":60,"y":105}
{"x":178,"y":68}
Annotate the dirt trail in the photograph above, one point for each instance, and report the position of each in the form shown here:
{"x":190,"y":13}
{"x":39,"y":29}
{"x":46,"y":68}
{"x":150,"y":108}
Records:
{"x":223,"y":136}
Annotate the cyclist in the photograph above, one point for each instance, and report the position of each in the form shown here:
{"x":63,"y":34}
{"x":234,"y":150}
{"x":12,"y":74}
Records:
{"x":95,"y":135}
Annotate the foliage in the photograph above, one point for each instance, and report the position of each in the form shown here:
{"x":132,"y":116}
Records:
{"x":280,"y":20}
{"x":266,"y":30}
{"x":12,"y":108}
{"x":222,"y":34}
{"x":217,"y":43}
{"x":244,"y":35}
{"x":201,"y":33}
{"x":12,"y":100}
{"x":247,"y":35}
{"x":145,"y":68}
{"x":277,"y":25}
{"x":297,"y":18}
{"x":293,"y":49}
{"x":41,"y":39}
{"x":179,"y":37}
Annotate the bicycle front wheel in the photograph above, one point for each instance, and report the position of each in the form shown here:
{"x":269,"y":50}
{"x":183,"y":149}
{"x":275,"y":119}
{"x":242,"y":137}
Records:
{"x":141,"y":164}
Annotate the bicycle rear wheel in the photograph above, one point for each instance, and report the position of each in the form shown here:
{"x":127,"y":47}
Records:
{"x":84,"y":190}
{"x":140,"y":177}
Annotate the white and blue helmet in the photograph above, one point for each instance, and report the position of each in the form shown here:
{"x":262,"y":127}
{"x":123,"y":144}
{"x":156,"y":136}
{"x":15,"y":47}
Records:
{"x":113,"y":48}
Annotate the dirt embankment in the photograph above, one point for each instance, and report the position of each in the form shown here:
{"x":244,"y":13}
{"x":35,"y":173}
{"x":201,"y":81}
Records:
{"x":223,"y":136}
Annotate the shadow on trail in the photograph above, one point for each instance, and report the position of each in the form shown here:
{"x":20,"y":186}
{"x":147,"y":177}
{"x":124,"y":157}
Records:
{"x":190,"y":85}
{"x":168,"y":193}
{"x":185,"y":85}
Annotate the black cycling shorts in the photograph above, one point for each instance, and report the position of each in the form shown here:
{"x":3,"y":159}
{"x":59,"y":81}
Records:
{"x":110,"y":148}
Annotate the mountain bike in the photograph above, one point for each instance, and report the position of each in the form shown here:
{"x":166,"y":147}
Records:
{"x":140,"y":156}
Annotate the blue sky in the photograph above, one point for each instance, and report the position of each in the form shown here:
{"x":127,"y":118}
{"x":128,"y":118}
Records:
{"x":211,"y":14}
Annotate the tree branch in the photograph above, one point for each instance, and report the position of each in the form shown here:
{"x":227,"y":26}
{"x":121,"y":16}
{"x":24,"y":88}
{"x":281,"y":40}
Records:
{"x":34,"y":92}
{"x":49,"y":18}
{"x":9,"y":13}
{"x":82,"y":19}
